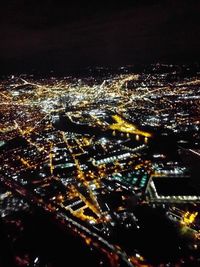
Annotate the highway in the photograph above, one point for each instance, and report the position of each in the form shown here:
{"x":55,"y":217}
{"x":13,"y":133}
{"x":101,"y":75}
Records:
{"x":85,"y":232}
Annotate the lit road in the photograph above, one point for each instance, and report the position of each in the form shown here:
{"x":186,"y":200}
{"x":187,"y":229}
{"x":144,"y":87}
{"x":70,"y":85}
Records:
{"x":195,"y":152}
{"x":61,"y":213}
{"x":174,"y":200}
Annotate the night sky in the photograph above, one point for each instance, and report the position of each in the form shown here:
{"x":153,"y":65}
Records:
{"x":61,"y":35}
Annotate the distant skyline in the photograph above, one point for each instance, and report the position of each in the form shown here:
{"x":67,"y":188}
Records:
{"x":58,"y":35}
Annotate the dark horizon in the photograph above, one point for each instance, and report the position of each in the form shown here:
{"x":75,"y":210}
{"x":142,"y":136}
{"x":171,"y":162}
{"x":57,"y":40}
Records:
{"x":63,"y":37}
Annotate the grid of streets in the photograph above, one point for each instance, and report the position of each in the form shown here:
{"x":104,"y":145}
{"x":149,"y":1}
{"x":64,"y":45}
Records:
{"x":81,"y":148}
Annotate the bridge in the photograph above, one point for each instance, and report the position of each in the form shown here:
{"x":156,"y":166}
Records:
{"x":122,"y":125}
